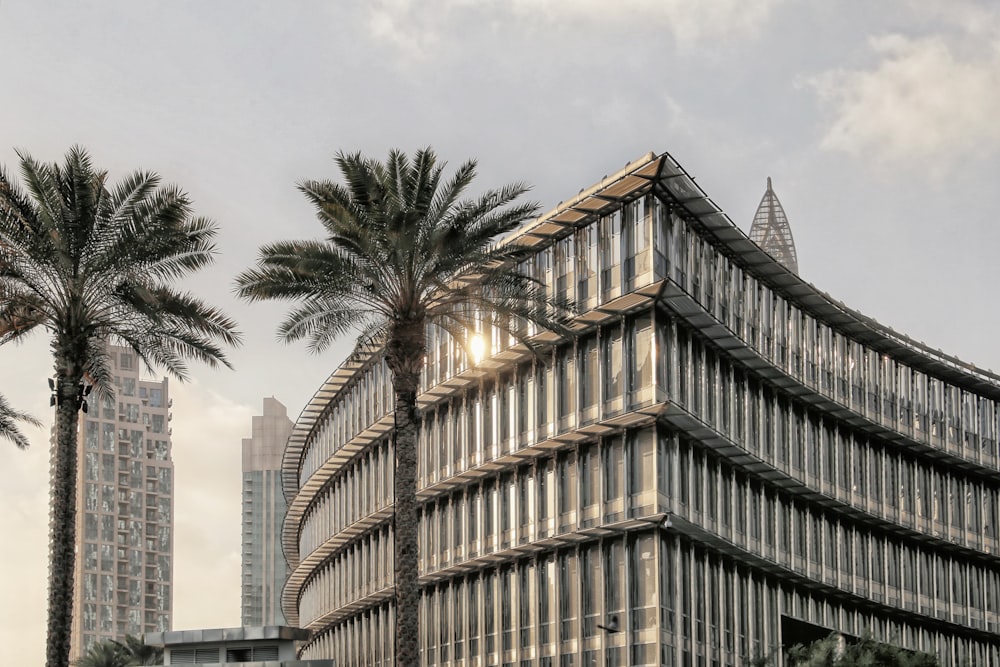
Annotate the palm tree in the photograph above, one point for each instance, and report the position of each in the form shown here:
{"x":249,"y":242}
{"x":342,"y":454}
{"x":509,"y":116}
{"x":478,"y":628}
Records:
{"x":129,"y":652}
{"x":837,"y":651}
{"x":106,"y":653}
{"x":89,"y":263}
{"x":9,"y":417}
{"x":398,"y":238}
{"x":139,"y":652}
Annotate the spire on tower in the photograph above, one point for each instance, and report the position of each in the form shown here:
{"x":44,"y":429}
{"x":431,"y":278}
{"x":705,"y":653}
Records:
{"x":771,"y":232}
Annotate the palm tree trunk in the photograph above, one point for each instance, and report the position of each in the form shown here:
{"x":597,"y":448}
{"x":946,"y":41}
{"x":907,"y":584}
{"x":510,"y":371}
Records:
{"x":62,"y":521}
{"x":405,"y":523}
{"x":405,"y":351}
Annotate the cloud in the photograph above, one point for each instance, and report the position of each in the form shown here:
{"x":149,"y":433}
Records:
{"x":689,"y":22}
{"x":417,"y":29}
{"x":398,"y":23}
{"x":932,"y":101}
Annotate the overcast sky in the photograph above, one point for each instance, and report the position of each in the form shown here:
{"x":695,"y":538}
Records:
{"x":877,"y":121}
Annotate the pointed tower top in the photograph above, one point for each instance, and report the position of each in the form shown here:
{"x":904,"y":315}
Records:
{"x":771,"y":232}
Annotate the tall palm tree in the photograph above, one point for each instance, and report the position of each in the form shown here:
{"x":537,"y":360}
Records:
{"x":89,"y":262}
{"x":9,"y":418}
{"x":398,"y":238}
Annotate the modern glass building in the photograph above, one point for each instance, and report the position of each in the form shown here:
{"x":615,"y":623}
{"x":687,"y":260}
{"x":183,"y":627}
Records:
{"x":263,"y":566}
{"x":724,"y":460}
{"x":124,"y":556}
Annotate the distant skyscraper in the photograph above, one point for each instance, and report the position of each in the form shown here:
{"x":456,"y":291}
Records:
{"x":125,"y":519}
{"x":771,"y":232}
{"x":264,"y":567}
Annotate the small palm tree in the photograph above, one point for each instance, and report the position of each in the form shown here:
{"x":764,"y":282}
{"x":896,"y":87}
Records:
{"x":129,"y":652}
{"x":837,"y":651}
{"x":91,"y":263}
{"x":398,"y":240}
{"x":139,"y":652}
{"x":9,"y":429}
{"x":106,"y":653}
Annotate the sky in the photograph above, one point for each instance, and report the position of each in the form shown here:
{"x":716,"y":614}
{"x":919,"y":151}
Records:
{"x":876,"y":121}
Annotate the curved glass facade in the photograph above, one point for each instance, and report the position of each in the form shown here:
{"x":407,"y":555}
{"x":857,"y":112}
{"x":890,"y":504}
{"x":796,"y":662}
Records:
{"x":721,"y":457}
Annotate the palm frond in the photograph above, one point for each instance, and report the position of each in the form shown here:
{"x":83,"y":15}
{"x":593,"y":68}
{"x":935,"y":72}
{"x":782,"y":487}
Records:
{"x":10,"y":420}
{"x":399,"y":237}
{"x":91,"y":262}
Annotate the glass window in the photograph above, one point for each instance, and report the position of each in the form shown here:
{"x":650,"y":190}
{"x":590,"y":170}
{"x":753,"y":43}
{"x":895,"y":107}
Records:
{"x":614,"y":473}
{"x":546,"y":584}
{"x":525,"y":405}
{"x":612,"y":365}
{"x":589,"y":475}
{"x":590,"y":589}
{"x":567,"y":490}
{"x":566,"y":384}
{"x":564,"y":267}
{"x":641,"y":367}
{"x":489,"y":519}
{"x":524,"y":605}
{"x":506,"y":603}
{"x":473,"y":616}
{"x":459,"y":620}
{"x":643,"y":583}
{"x":611,"y":239}
{"x":586,"y":255}
{"x":568,"y":596}
{"x":589,"y":380}
{"x":489,"y":611}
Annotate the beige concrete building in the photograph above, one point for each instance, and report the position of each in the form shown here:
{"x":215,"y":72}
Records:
{"x":124,"y":566}
{"x":264,"y":567}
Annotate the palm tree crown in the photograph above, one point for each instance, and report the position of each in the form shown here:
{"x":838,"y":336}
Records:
{"x":399,"y":245}
{"x":128,"y":652}
{"x":89,"y":263}
{"x":105,"y":653}
{"x":402,"y":251}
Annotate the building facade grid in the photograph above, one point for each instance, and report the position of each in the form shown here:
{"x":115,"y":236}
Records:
{"x":124,"y":567}
{"x":719,"y":449}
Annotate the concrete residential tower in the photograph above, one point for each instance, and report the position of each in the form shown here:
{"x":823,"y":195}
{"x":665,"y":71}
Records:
{"x":264,"y":567}
{"x":125,"y":510}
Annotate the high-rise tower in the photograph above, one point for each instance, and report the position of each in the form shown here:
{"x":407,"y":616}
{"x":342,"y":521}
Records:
{"x":124,"y":529}
{"x":264,"y":567}
{"x":771,"y":232}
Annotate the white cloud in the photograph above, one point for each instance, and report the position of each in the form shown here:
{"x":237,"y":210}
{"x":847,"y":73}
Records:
{"x":416,"y":29}
{"x":689,"y":22}
{"x":932,"y":101}
{"x":398,"y":23}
